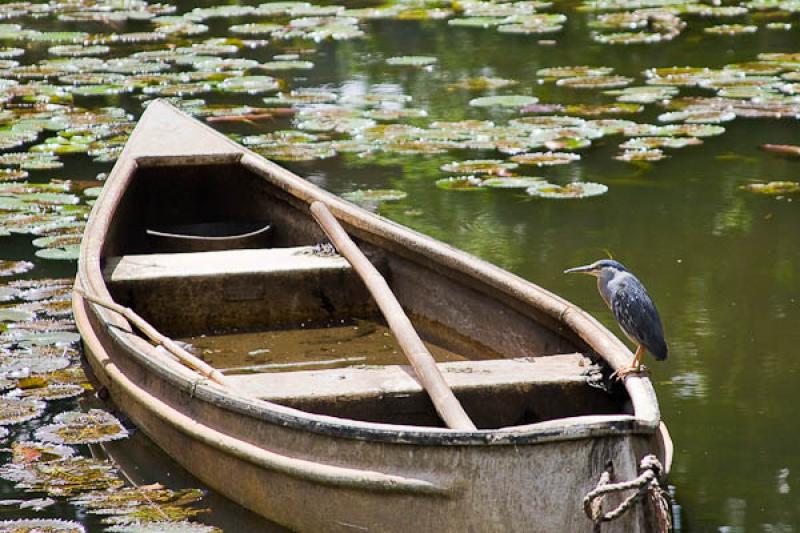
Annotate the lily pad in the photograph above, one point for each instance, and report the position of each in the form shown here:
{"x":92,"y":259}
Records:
{"x":67,"y":253}
{"x":641,"y":155}
{"x":32,"y":362}
{"x":374,"y":195}
{"x":495,"y":167}
{"x":40,"y":525}
{"x":541,"y":159}
{"x":411,"y":61}
{"x":482,"y":83}
{"x":163,"y":527}
{"x":518,"y":182}
{"x":51,"y":391}
{"x":773,"y":188}
{"x":13,"y":268}
{"x":16,"y":411}
{"x":594,"y":82}
{"x":731,"y":29}
{"x":249,"y":84}
{"x":287,"y":65}
{"x":573,"y":72}
{"x":461,"y":183}
{"x":76,"y":427}
{"x":151,"y":503}
{"x":67,"y":477}
{"x":297,"y":151}
{"x":578,"y":189}
{"x":24,"y":452}
{"x":510,"y":100}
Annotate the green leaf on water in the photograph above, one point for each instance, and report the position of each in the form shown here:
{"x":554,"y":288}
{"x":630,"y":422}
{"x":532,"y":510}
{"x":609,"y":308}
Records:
{"x":511,"y":100}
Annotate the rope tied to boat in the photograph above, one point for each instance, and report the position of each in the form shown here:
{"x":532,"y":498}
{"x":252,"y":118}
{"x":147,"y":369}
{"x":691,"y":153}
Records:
{"x":646,"y":484}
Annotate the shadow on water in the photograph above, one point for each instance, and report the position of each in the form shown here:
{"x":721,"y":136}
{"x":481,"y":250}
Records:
{"x":142,"y":463}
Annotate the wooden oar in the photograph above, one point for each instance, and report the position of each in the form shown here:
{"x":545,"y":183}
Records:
{"x":418,"y":355}
{"x":201,"y":367}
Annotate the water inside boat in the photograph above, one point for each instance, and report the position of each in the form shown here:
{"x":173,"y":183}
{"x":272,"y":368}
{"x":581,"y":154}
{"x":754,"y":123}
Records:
{"x":347,"y":343}
{"x":292,"y":323}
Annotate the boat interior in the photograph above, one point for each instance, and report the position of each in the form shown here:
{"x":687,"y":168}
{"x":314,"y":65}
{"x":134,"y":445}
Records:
{"x":227,"y":261}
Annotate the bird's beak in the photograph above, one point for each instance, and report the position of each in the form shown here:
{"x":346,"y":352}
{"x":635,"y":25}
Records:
{"x":587,"y":269}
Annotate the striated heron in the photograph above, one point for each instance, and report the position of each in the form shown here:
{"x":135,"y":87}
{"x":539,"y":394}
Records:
{"x":633,"y":308}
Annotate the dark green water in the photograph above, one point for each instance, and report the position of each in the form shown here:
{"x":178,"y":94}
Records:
{"x":722,"y":264}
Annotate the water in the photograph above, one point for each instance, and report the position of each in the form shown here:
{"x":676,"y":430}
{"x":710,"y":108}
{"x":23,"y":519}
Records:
{"x":721,"y":263}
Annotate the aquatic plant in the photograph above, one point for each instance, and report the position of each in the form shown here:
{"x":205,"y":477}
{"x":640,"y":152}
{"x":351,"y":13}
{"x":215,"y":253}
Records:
{"x":77,"y":427}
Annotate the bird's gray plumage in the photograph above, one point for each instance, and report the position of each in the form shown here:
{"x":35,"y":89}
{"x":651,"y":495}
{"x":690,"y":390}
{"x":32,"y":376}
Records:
{"x":637,"y":314}
{"x":630,"y":304}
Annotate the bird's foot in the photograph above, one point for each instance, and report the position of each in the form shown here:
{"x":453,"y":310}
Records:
{"x":622,"y":373}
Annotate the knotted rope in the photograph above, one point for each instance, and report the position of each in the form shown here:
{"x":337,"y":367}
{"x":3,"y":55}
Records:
{"x":646,"y":483}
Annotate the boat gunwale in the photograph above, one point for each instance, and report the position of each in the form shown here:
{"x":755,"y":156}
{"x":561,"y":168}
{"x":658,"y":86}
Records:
{"x":607,"y":346}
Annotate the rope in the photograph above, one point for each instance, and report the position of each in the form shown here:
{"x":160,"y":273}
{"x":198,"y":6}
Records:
{"x":645,"y":484}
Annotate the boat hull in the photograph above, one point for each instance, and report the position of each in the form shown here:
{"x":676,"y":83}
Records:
{"x":532,"y":487}
{"x":312,"y":472}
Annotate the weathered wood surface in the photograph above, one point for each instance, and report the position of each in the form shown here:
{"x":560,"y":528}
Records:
{"x":360,"y":382}
{"x":222,"y":263}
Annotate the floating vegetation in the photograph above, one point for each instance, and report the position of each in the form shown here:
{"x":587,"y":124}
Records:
{"x":31,"y":361}
{"x":645,"y":94}
{"x":297,"y":151}
{"x":731,"y":29}
{"x":542,"y":159}
{"x":653,"y":154}
{"x":67,"y":477}
{"x":650,"y":143}
{"x":773,"y":188}
{"x":373,"y":196}
{"x":142,"y":505}
{"x":594,"y":82}
{"x":573,"y":72}
{"x":249,"y":84}
{"x":482,"y":83}
{"x":518,"y":182}
{"x":25,"y":452}
{"x":511,"y":100}
{"x":16,"y":411}
{"x":411,"y":61}
{"x":572,"y":190}
{"x":461,"y":183}
{"x":77,"y":427}
{"x":603,"y":109}
{"x":52,"y":391}
{"x":40,"y":525}
{"x":13,"y":268}
{"x":164,"y":527}
{"x":495,"y":167}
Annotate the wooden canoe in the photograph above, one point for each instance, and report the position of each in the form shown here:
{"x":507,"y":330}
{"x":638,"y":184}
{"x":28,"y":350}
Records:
{"x":348,"y":448}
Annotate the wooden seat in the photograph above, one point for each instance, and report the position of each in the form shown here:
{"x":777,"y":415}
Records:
{"x":392,"y":393}
{"x":197,"y":292}
{"x":225,"y":263}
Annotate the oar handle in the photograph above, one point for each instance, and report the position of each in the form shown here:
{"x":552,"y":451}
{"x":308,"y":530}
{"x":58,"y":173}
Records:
{"x":421,"y":360}
{"x":201,"y":367}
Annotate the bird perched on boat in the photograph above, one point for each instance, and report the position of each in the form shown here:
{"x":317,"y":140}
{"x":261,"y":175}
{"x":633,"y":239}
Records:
{"x":632,"y":307}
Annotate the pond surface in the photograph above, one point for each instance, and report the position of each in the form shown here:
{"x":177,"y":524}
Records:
{"x":722,"y":262}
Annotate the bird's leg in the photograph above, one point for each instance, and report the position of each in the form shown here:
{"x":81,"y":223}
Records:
{"x":635,"y":368}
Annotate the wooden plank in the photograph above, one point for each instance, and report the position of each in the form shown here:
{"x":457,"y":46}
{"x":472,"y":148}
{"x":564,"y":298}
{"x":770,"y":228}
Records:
{"x":363,"y":382}
{"x":219,"y":263}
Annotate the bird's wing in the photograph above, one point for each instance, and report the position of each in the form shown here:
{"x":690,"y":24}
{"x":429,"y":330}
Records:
{"x":637,"y":315}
